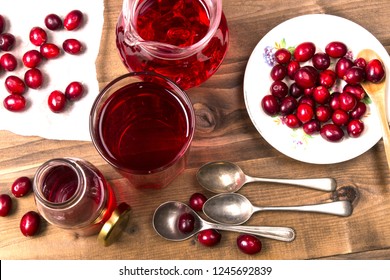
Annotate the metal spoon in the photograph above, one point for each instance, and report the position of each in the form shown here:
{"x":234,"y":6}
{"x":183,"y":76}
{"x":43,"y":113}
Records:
{"x":165,"y":220}
{"x":225,"y":177}
{"x":377,"y":94}
{"x":236,"y":209}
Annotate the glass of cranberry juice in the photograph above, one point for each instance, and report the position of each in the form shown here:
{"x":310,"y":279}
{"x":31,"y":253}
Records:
{"x":143,"y":124}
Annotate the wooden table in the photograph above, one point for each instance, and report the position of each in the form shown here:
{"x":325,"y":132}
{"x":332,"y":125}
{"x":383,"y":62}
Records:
{"x":223,"y":132}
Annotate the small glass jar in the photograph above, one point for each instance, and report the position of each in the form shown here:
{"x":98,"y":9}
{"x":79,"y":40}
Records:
{"x":72,"y":194}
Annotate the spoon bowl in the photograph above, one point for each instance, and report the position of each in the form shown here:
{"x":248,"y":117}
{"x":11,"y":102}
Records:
{"x":377,"y":94}
{"x":236,"y":209}
{"x":227,"y":177}
{"x":165,"y":223}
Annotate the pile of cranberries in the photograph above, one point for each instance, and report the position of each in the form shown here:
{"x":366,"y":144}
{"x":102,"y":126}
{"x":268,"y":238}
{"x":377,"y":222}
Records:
{"x":32,"y":59}
{"x":30,"y":221}
{"x":321,"y":92}
{"x":248,"y":244}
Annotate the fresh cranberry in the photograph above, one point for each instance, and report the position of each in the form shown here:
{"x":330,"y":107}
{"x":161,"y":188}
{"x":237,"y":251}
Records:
{"x":336,"y":49}
{"x":50,"y":50}
{"x":306,"y":77}
{"x":340,"y":117}
{"x":197,"y":200}
{"x":15,"y":85}
{"x":359,"y":110}
{"x":8,"y":62}
{"x":73,"y":20}
{"x":355,"y":128}
{"x":14,"y":103}
{"x":347,"y":101}
{"x":331,"y":132}
{"x":354,"y":75}
{"x":21,"y":186}
{"x":304,"y":51}
{"x":29,"y":224}
{"x":279,"y":89}
{"x":5,"y":204}
{"x":292,"y":68}
{"x":56,"y":101}
{"x":356,"y":90}
{"x":209,"y":237}
{"x":270,"y":105}
{"x":38,"y":36}
{"x":2,"y":24}
{"x":323,"y":113}
{"x":186,"y":223}
{"x":53,"y":22}
{"x":360,"y":62}
{"x":282,"y":56}
{"x":33,"y":78}
{"x":311,"y":127}
{"x":327,"y":78}
{"x":249,"y":244}
{"x":307,"y":100}
{"x":321,"y":61}
{"x":305,"y":112}
{"x":375,"y":71}
{"x":72,"y":46}
{"x":334,"y":102}
{"x":7,"y":41}
{"x":295,"y":90}
{"x":32,"y":58}
{"x":321,"y":94}
{"x":342,"y":65}
{"x":288,"y":105}
{"x":292,"y":121}
{"x":74,"y":91}
{"x":278,"y":72}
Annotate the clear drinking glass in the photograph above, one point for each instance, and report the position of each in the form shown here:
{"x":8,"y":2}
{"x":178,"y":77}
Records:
{"x":143,"y":124}
{"x":184,"y":40}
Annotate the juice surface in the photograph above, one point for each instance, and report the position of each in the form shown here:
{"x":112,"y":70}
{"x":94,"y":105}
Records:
{"x":143,"y":127}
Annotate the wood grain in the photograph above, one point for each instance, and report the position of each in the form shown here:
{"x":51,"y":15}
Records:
{"x":224,"y":132}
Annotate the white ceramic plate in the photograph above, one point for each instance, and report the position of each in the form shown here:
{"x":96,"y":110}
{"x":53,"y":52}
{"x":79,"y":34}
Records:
{"x":319,"y":29}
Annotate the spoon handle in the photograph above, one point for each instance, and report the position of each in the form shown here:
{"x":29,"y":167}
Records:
{"x":278,"y":233}
{"x":339,"y":208}
{"x":321,"y":184}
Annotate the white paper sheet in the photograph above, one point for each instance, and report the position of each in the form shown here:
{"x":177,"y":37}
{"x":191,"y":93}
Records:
{"x":38,"y":119}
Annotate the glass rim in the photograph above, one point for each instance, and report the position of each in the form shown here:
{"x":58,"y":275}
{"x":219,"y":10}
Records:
{"x":184,"y":100}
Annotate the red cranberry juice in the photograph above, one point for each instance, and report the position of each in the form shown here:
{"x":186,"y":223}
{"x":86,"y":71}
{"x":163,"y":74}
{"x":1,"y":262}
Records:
{"x":143,"y":127}
{"x":60,"y":184}
{"x":180,"y":23}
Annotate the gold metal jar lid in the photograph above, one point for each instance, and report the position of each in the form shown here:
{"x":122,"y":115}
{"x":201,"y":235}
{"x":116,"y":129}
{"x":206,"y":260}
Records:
{"x":115,"y":225}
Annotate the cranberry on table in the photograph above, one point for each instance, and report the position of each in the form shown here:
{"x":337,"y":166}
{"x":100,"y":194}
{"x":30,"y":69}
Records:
{"x":321,"y":61}
{"x":312,"y":127}
{"x":292,"y":68}
{"x":354,"y":75}
{"x":304,"y":51}
{"x":72,"y":46}
{"x":197,"y":200}
{"x":305,"y":112}
{"x":270,"y":105}
{"x":56,"y":101}
{"x":73,"y":20}
{"x":74,"y":91}
{"x":5,"y":204}
{"x":375,"y":71}
{"x":336,"y":49}
{"x":32,"y":58}
{"x":306,"y":77}
{"x":29,"y":224}
{"x":323,"y":113}
{"x":21,"y":186}
{"x":292,"y":121}
{"x":209,"y":237}
{"x":49,"y":50}
{"x":33,"y":78}
{"x":8,"y":62}
{"x":321,"y":94}
{"x":282,"y":56}
{"x":355,"y":128}
{"x":355,"y":90}
{"x":327,"y":78}
{"x":342,"y":65}
{"x":279,"y":89}
{"x":186,"y":223}
{"x":340,"y":117}
{"x":7,"y":41}
{"x":15,"y":85}
{"x":249,"y":244}
{"x":53,"y":22}
{"x":331,"y":132}
{"x":288,"y":105}
{"x":359,"y":110}
{"x":278,"y":72}
{"x":347,"y":101}
{"x":14,"y":103}
{"x":38,"y":36}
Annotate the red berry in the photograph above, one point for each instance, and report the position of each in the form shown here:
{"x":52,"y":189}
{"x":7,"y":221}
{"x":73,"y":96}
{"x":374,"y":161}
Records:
{"x":197,"y":200}
{"x":375,"y":71}
{"x":8,"y":62}
{"x":15,"y":85}
{"x":33,"y":78}
{"x":321,"y":94}
{"x":5,"y":204}
{"x":209,"y":237}
{"x":49,"y":50}
{"x":304,"y":51}
{"x":249,"y":244}
{"x":73,"y":20}
{"x":53,"y":22}
{"x":14,"y":103}
{"x":305,"y":112}
{"x":347,"y":101}
{"x":292,"y":121}
{"x":74,"y":91}
{"x":7,"y":41}
{"x":282,"y":56}
{"x":355,"y":128}
{"x":32,"y":58}
{"x":331,"y":132}
{"x":336,"y":49}
{"x":72,"y":46}
{"x":38,"y":36}
{"x":270,"y":105}
{"x":56,"y":101}
{"x":29,"y":224}
{"x":21,"y":186}
{"x":186,"y":223}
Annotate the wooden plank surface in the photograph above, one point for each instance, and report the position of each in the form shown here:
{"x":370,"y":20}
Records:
{"x":223,"y":132}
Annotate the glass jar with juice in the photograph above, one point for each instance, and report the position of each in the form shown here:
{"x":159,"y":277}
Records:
{"x":183,"y":40}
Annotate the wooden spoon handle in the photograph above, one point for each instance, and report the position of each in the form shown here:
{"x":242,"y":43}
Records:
{"x":381,"y":107}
